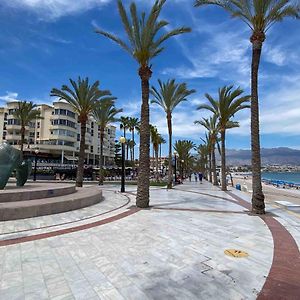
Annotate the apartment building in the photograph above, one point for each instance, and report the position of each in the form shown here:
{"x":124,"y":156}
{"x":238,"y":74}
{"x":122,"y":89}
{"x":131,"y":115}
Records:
{"x":56,"y":135}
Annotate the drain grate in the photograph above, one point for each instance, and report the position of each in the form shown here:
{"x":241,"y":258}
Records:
{"x":236,"y":253}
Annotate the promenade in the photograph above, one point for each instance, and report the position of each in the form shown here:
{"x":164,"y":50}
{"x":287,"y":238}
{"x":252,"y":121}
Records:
{"x":173,"y":250}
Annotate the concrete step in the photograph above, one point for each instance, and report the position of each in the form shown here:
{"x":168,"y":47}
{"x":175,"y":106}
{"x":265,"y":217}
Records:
{"x":46,"y":206}
{"x":35,"y":191}
{"x":288,"y":205}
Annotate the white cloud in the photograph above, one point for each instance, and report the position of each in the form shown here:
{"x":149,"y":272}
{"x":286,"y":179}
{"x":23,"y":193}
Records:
{"x":275,"y":55}
{"x":53,"y":9}
{"x":10,"y":96}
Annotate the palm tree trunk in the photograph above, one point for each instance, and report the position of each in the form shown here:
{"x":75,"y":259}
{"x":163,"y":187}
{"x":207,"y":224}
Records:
{"x":223,"y":160}
{"x":258,"y":204}
{"x":160,"y":157}
{"x":143,"y":184}
{"x":101,"y":171}
{"x":209,"y":167}
{"x":156,"y":162}
{"x":133,"y":146}
{"x":80,"y":166}
{"x":22,"y":140}
{"x":127,"y":150}
{"x":170,"y":171}
{"x":213,"y":165}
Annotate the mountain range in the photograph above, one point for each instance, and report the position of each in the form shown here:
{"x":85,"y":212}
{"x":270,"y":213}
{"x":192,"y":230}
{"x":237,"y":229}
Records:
{"x":269,"y":156}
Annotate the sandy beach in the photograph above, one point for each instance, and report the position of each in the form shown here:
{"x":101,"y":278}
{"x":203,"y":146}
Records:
{"x":271,"y":192}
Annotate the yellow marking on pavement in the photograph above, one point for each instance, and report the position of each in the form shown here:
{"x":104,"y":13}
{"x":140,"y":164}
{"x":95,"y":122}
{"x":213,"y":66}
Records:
{"x":236,"y":253}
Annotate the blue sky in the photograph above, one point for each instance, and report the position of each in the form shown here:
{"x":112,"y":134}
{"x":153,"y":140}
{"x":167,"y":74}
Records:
{"x":43,"y":43}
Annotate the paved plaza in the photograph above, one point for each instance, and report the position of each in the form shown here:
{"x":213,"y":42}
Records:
{"x":173,"y":250}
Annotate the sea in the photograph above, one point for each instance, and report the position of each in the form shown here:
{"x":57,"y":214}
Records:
{"x":293,"y":177}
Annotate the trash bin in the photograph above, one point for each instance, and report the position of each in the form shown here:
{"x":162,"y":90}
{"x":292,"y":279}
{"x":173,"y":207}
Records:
{"x":238,"y":186}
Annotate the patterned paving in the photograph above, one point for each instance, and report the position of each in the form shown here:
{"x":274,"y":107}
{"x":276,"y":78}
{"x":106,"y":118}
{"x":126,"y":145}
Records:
{"x":173,"y":251}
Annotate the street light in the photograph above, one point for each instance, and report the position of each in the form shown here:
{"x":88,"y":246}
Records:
{"x":123,"y":141}
{"x":182,"y":162}
{"x":175,"y":156}
{"x":36,"y":151}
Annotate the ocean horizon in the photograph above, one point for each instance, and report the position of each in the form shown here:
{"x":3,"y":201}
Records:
{"x":293,"y":177}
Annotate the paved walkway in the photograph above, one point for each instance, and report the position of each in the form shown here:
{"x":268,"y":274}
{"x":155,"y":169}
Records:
{"x":175,"y":250}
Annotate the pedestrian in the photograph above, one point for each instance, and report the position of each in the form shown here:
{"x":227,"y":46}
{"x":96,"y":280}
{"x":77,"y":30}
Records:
{"x":190,"y":177}
{"x":200,"y":177}
{"x":196,"y":177}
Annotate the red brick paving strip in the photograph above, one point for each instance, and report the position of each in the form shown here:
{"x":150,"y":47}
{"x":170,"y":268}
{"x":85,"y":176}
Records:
{"x":68,"y":230}
{"x":283,"y":281}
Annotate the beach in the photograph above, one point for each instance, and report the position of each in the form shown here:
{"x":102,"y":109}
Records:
{"x":271,"y":192}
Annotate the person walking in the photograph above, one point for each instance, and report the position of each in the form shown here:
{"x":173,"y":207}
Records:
{"x":196,"y":177}
{"x":200,"y":177}
{"x":190,"y":177}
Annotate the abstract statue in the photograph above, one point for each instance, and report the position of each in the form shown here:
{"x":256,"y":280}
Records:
{"x":10,"y":160}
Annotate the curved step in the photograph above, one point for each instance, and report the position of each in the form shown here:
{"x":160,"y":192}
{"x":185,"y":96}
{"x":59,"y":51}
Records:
{"x":40,"y":207}
{"x":35,"y":191}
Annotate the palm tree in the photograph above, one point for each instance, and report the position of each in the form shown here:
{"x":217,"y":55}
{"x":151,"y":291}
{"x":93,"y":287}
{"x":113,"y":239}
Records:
{"x":207,"y":141}
{"x":124,"y":124}
{"x":203,"y":153}
{"x":25,"y":113}
{"x":155,"y":139}
{"x":183,"y":148}
{"x":104,"y":113}
{"x":144,"y":44}
{"x":259,"y":15}
{"x":168,"y":97}
{"x":160,"y":142}
{"x":133,"y":124}
{"x":228,"y":104}
{"x":212,"y":126}
{"x":83,"y":98}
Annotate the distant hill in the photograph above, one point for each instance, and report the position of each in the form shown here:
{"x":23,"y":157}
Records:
{"x":281,"y":156}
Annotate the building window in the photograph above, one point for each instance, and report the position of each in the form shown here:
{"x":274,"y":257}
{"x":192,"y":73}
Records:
{"x":38,"y":135}
{"x":13,"y":122}
{"x":92,"y":149}
{"x":38,"y":124}
{"x":64,"y":123}
{"x":92,"y":132}
{"x":78,"y":137}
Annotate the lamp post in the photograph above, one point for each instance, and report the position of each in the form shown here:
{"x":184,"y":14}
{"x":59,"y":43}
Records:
{"x":36,"y":151}
{"x":123,"y":141}
{"x":175,"y":161}
{"x":182,"y":162}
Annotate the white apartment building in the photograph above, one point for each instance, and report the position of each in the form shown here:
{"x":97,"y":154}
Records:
{"x":56,"y":135}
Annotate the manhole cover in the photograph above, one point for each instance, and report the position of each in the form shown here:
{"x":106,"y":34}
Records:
{"x":236,"y":253}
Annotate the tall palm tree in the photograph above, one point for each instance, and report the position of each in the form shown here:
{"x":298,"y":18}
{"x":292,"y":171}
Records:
{"x":183,"y":148}
{"x":155,"y":139}
{"x":104,"y":113}
{"x":169,"y":95}
{"x":212,"y":126}
{"x":143,"y":45}
{"x":124,"y":124}
{"x":25,"y":113}
{"x":229,"y":102}
{"x":83,"y":98}
{"x":160,"y":142}
{"x":133,"y":124}
{"x":131,"y":145}
{"x":208,"y":142}
{"x":259,"y":15}
{"x":203,"y":153}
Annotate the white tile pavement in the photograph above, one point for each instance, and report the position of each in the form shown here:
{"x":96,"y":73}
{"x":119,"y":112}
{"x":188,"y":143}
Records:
{"x":152,"y":254}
